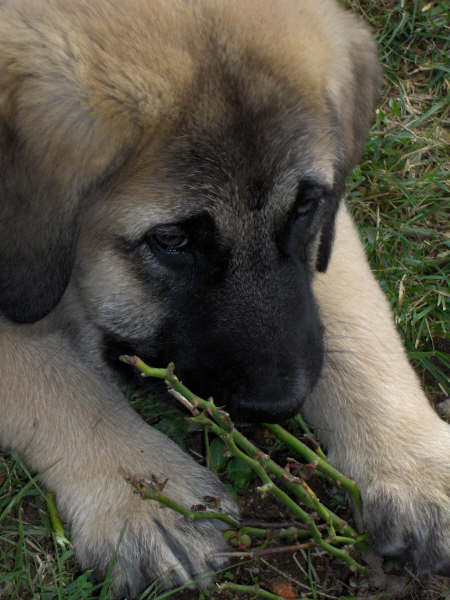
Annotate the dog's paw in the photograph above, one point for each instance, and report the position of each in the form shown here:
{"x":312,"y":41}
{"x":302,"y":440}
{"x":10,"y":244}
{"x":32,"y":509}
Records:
{"x":145,"y":540}
{"x":411,"y":524}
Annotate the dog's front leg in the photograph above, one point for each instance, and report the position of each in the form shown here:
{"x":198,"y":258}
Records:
{"x":370,"y":411}
{"x":85,"y":440}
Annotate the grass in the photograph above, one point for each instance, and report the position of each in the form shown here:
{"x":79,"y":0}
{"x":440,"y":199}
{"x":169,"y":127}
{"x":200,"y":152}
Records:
{"x":399,"y":193}
{"x":399,"y":196}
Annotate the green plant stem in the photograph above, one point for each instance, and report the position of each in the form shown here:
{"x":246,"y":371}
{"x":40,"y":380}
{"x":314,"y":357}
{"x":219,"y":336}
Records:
{"x":290,"y":483}
{"x":273,"y":488}
{"x":307,"y":431}
{"x":323,"y":465}
{"x":290,"y":532}
{"x":300,"y":421}
{"x":224,"y":422}
{"x":270,"y":486}
{"x":55,"y":520}
{"x":190,"y":515}
{"x":258,"y":468}
{"x":242,"y":448}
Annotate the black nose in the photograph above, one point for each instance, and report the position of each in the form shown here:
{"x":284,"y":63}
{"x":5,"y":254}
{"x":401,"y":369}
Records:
{"x":258,"y":395}
{"x":269,"y":399}
{"x":272,"y":411}
{"x":262,"y":397}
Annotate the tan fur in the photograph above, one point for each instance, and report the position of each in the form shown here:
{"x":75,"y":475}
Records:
{"x":368,"y":407}
{"x":96,"y":98}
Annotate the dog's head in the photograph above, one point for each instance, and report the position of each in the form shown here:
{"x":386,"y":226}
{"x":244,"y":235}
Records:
{"x":174,"y":170}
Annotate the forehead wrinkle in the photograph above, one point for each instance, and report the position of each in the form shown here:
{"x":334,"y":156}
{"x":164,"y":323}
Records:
{"x":219,"y":169}
{"x":237,"y":222}
{"x":224,"y":183}
{"x":249,"y":146}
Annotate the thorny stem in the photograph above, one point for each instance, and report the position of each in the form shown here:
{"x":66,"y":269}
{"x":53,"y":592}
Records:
{"x":270,"y":486}
{"x":291,"y":483}
{"x":149,"y":491}
{"x":224,"y":421}
{"x":262,"y":464}
{"x":307,"y":431}
{"x":322,"y":464}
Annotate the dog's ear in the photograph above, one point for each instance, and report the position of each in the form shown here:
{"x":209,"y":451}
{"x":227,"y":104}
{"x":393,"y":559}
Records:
{"x":352,"y":91}
{"x":57,"y":145}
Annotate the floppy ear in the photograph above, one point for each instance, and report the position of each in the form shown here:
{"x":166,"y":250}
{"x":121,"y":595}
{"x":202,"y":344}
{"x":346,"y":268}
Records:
{"x":352,"y":92}
{"x":54,"y":153}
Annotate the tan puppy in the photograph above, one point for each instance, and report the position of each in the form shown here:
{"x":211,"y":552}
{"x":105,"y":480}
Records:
{"x":170,"y":175}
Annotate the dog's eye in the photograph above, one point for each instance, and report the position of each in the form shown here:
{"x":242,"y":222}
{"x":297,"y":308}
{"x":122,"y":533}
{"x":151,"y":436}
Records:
{"x":305,"y":207}
{"x":304,"y":219}
{"x":308,"y":197}
{"x":170,"y":240}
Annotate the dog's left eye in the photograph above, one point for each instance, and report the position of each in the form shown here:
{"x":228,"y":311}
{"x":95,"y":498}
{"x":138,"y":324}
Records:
{"x":308,"y":198}
{"x":170,"y":240}
{"x":304,"y":220}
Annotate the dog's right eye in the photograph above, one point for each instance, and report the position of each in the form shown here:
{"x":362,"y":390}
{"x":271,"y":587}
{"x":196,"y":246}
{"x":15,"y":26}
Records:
{"x":169,"y":240}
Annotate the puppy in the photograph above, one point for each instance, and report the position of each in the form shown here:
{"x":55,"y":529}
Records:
{"x":171,"y":178}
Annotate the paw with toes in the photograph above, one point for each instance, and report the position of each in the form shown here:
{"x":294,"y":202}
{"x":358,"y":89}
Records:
{"x":412,"y":528}
{"x":148,"y":541}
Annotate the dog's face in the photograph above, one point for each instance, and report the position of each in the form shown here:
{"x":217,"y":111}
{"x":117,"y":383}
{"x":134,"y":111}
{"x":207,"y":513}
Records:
{"x":206,"y":253}
{"x":192,"y":200}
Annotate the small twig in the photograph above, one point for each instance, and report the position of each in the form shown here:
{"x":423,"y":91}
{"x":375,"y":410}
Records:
{"x":182,"y":400}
